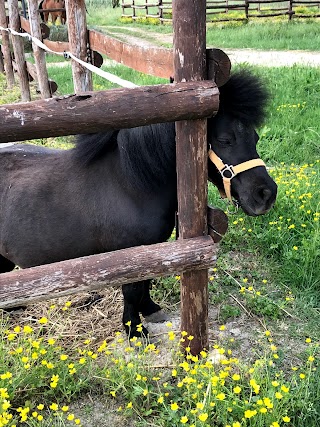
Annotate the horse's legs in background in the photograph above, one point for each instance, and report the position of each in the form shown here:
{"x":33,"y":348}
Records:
{"x":137,"y":300}
{"x":5,"y":265}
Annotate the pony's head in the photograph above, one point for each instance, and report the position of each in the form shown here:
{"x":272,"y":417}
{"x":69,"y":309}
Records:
{"x":234,"y":165}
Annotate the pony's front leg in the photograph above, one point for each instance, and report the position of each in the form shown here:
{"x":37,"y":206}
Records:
{"x":137,"y":300}
{"x":151,"y":311}
{"x":132,"y":295}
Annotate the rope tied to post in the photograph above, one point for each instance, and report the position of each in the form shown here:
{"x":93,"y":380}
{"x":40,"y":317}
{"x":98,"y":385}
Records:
{"x":68,"y":55}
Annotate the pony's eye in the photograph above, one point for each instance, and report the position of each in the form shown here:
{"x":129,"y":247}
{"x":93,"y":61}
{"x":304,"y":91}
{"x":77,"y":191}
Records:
{"x":224,"y":141}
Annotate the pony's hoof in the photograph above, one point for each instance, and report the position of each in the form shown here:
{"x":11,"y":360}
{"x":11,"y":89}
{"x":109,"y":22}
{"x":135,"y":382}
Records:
{"x":157,"y":317}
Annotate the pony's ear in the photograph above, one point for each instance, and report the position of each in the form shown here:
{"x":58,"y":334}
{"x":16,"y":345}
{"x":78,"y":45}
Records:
{"x":171,"y":79}
{"x":218,"y":66}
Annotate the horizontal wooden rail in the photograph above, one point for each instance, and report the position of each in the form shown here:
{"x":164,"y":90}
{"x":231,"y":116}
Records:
{"x":109,"y":269}
{"x":92,"y":112}
{"x":155,"y":61}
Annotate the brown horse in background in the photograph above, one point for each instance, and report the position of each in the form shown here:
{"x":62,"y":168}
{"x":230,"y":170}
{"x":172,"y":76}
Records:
{"x":53,"y":4}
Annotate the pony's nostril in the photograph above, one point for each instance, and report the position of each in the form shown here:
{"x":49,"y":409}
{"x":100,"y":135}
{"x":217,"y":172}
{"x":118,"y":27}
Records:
{"x":264,"y":194}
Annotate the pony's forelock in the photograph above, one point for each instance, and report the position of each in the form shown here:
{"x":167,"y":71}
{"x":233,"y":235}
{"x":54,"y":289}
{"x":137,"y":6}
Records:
{"x":245,"y":97}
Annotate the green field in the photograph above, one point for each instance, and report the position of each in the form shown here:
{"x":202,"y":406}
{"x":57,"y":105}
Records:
{"x":264,"y":292}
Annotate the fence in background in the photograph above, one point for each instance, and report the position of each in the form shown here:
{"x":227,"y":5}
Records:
{"x":224,"y":10}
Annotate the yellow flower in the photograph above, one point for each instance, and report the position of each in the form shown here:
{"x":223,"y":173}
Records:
{"x":222,"y":328}
{"x":203,"y":417}
{"x":249,"y":413}
{"x":43,"y":320}
{"x":236,"y":424}
{"x":221,"y":396}
{"x":174,"y":406}
{"x":286,"y":419}
{"x":263,"y":410}
{"x":275,"y":424}
{"x":237,"y":390}
{"x":278,"y":395}
{"x":161,"y":399}
{"x":40,"y":407}
{"x":70,"y":417}
{"x":27,"y":329}
{"x":129,"y":405}
{"x":284,"y":389}
{"x":184,"y":419}
{"x":65,"y":408}
{"x":236,"y":377}
{"x":308,"y":340}
{"x":54,"y":406}
{"x":302,"y":376}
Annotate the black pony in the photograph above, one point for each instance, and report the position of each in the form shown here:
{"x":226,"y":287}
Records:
{"x":117,"y":189}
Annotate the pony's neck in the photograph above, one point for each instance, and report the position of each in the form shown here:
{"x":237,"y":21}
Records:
{"x":148,"y":156}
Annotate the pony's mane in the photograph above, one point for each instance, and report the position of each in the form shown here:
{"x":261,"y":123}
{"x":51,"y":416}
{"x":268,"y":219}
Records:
{"x":245,"y":97}
{"x":146,"y":150}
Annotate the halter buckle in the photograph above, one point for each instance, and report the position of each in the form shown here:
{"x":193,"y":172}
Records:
{"x":228,"y":172}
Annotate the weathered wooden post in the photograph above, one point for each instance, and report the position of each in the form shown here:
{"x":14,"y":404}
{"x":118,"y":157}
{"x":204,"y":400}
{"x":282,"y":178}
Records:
{"x":6,"y":46}
{"x":39,"y":54}
{"x":189,"y":23}
{"x":78,"y":44}
{"x":18,"y":49}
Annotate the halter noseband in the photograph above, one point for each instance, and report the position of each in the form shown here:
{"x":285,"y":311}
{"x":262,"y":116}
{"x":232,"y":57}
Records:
{"x":228,"y":171}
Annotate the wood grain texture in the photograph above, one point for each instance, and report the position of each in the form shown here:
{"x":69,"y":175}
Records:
{"x":112,"y":109}
{"x":189,"y":23}
{"x":38,"y":53}
{"x":78,"y":44}
{"x":5,"y":46}
{"x":109,"y":269}
{"x":18,"y":49}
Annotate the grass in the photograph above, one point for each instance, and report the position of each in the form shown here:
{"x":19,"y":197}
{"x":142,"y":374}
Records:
{"x":259,"y":33}
{"x":41,"y":377}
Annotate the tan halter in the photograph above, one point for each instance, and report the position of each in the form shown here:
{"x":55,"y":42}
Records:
{"x":228,"y":171}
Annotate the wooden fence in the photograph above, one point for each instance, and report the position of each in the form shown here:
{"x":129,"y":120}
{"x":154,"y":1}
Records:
{"x":221,"y":10}
{"x":191,"y":97}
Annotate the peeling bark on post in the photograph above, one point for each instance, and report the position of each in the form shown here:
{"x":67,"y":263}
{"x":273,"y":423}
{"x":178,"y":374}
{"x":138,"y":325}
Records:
{"x":189,"y":22}
{"x":8,"y":68}
{"x":78,"y":43}
{"x":39,"y":54}
{"x":18,"y":49}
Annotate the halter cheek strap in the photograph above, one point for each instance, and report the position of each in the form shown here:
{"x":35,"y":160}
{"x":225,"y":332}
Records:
{"x":228,"y":171}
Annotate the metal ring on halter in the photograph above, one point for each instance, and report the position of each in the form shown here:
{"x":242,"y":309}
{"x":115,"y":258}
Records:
{"x":228,"y":169}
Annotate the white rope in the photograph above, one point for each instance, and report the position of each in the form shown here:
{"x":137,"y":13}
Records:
{"x":108,"y":76}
